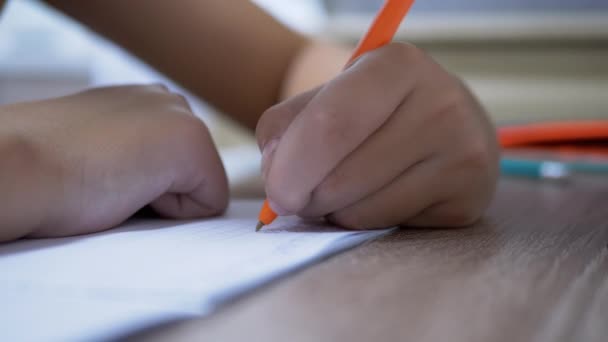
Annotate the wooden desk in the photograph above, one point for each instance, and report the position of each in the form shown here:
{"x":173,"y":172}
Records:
{"x":535,"y":269}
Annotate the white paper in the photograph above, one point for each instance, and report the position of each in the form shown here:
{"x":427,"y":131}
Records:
{"x":145,"y":272}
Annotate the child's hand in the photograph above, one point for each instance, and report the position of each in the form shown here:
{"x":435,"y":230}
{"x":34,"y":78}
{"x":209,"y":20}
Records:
{"x":87,"y":162}
{"x":394,"y":139}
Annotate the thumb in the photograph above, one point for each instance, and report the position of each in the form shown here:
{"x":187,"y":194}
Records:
{"x":275,"y":122}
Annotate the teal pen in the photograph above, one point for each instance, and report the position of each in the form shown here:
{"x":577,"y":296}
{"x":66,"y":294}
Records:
{"x":592,"y":167}
{"x":535,"y":169}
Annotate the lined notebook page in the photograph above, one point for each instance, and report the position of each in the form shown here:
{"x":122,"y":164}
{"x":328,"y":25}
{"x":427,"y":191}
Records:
{"x":145,"y":272}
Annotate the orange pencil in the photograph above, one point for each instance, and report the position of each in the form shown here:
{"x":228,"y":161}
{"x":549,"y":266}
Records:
{"x":553,"y":132}
{"x":380,"y":33}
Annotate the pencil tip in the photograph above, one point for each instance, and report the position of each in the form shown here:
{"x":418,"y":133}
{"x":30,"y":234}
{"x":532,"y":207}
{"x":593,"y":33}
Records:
{"x":259,"y":226}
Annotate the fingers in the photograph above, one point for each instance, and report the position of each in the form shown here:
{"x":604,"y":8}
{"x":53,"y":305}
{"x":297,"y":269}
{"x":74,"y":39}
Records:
{"x":450,"y":188}
{"x":274,"y":122}
{"x":199,"y":187}
{"x":335,"y":122}
{"x":399,"y":200}
{"x":417,"y":130}
{"x":472,"y":180}
{"x":384,"y":156}
{"x":439,"y":191}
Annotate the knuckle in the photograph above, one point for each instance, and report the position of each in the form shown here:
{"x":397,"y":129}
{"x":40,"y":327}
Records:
{"x":156,"y":94}
{"x":191,"y":129}
{"x":403,"y":52}
{"x":406,"y":61}
{"x":143,"y":89}
{"x":152,"y":94}
{"x":474,"y":161}
{"x":180,"y":100}
{"x":477,"y":154}
{"x":455,"y":104}
{"x":172,"y":104}
{"x":129,"y":89}
{"x":455,"y":111}
{"x":331,"y":124}
{"x":155,"y":87}
{"x":176,"y":97}
{"x":459,"y":115}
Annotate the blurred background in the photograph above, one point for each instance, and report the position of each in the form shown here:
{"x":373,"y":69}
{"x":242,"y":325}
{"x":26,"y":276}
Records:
{"x":527,"y":60}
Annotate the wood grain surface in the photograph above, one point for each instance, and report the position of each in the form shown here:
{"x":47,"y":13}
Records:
{"x":535,"y":269}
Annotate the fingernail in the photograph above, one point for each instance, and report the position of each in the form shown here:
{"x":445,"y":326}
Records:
{"x":278,"y":209}
{"x":267,"y":153}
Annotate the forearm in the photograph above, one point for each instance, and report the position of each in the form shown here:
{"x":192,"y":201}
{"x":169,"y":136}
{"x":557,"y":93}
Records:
{"x":231,"y":53}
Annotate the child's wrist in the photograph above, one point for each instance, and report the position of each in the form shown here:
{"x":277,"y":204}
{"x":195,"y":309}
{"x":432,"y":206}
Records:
{"x":316,"y":63}
{"x":27,"y":179}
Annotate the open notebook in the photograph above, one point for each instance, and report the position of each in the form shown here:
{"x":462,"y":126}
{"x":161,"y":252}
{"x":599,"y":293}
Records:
{"x":147,"y":272}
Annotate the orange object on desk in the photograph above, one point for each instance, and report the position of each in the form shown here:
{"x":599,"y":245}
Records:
{"x":565,"y":140}
{"x":558,"y":132}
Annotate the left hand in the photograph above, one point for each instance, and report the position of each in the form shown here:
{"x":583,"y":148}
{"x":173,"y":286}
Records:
{"x":394,"y":139}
